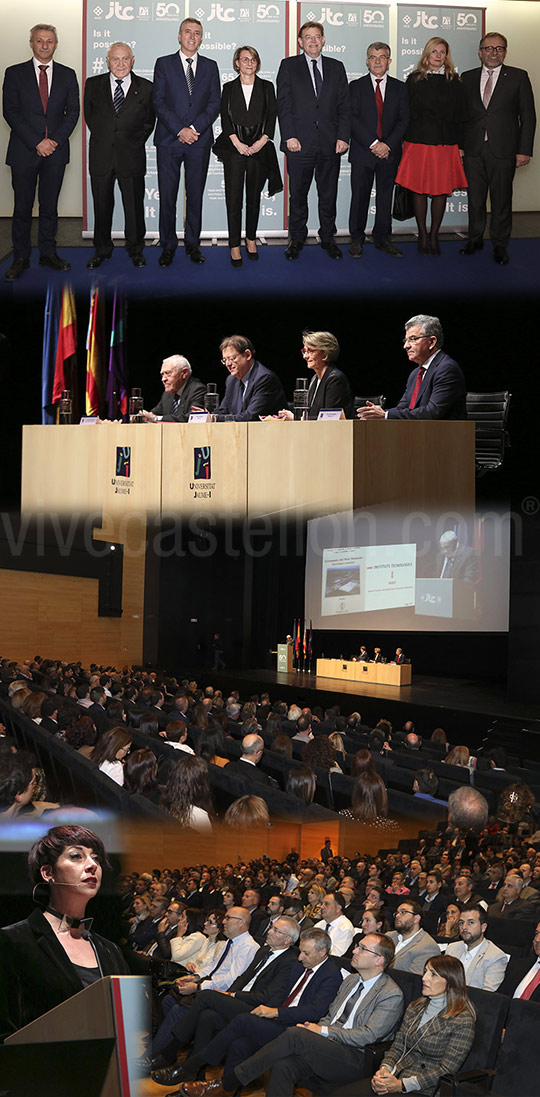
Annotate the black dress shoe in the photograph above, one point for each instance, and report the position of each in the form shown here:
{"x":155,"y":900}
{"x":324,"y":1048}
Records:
{"x":423,"y":248}
{"x":253,"y":255}
{"x":356,"y":249}
{"x":157,"y":1062}
{"x":170,"y":1075}
{"x":54,"y":262}
{"x":501,"y":255}
{"x":237,"y":262}
{"x":389,"y":248}
{"x":294,"y":249}
{"x":96,"y":260}
{"x":471,"y":246}
{"x":138,"y":260}
{"x":434,"y":247}
{"x":195,"y":253}
{"x":331,"y":249}
{"x":16,"y":269}
{"x":166,"y":257}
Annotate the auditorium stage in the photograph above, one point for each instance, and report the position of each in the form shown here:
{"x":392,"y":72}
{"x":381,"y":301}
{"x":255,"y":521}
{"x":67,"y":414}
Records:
{"x":465,"y":708}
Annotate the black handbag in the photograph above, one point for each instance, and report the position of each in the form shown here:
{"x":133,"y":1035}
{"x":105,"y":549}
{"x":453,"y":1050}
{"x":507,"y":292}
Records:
{"x":403,"y":208}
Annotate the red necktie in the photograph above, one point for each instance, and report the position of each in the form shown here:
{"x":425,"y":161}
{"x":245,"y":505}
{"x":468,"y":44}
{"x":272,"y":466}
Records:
{"x":44,"y":90}
{"x":379,"y":103}
{"x":535,"y":981}
{"x":416,"y":389}
{"x":297,"y":988}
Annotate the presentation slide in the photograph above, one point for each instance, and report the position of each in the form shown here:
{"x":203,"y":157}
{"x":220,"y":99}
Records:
{"x":369,"y":578}
{"x":378,"y":569}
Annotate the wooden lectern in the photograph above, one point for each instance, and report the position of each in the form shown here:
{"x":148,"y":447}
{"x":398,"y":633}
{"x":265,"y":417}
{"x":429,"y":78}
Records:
{"x":86,"y":1046}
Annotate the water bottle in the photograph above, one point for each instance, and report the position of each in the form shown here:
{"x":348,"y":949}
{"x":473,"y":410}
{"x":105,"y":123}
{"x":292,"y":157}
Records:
{"x":65,"y":408}
{"x":300,"y":398}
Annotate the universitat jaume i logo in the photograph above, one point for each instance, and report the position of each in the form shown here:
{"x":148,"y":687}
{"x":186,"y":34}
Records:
{"x":123,"y":460}
{"x":201,"y":463}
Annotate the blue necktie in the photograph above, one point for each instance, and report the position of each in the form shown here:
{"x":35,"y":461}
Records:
{"x":118,"y":100}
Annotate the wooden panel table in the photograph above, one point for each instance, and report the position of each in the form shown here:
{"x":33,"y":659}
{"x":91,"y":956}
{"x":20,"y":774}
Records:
{"x":387,"y":674}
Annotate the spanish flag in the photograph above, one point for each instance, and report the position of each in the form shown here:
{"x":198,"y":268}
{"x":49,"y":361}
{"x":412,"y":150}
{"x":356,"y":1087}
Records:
{"x":95,"y":355}
{"x":65,"y":367}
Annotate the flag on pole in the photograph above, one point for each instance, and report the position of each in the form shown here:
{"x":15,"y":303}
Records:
{"x":65,"y":366}
{"x":117,"y":388}
{"x":95,"y":355}
{"x":298,"y":642}
{"x":51,"y":327}
{"x":293,"y":634}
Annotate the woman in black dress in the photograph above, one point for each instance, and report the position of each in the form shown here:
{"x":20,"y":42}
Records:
{"x":248,"y":119}
{"x":50,"y":955}
{"x":431,"y":161}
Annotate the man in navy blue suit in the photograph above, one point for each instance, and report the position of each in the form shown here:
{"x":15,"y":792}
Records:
{"x":313,"y":984}
{"x":251,"y":389}
{"x":379,"y":117}
{"x":314,"y":119}
{"x":41,"y":106}
{"x":436,"y":387}
{"x":186,"y":100}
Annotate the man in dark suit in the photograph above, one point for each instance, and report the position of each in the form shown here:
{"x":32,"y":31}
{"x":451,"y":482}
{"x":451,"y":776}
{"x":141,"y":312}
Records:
{"x":379,"y":117}
{"x":120,"y":116}
{"x":436,"y":387}
{"x":186,"y":100}
{"x":522,"y":976}
{"x":314,"y":119}
{"x":41,"y":106}
{"x":512,"y":905}
{"x":246,"y":765}
{"x":456,"y":561}
{"x":251,"y":389}
{"x":498,"y":138}
{"x":182,"y":392}
{"x":367,"y":1008}
{"x":314,"y":981}
{"x":265,"y":980}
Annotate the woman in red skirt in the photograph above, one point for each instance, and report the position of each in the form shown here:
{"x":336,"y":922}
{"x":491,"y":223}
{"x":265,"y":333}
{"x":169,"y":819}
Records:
{"x":431,"y":161}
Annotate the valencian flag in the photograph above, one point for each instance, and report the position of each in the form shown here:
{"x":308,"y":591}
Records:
{"x":310,"y":643}
{"x":51,"y":327}
{"x":95,"y":355}
{"x":117,"y":388}
{"x":305,"y":644}
{"x":65,"y":366}
{"x":297,"y":645}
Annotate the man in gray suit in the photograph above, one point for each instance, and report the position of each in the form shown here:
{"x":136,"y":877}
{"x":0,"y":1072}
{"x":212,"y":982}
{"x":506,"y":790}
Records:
{"x":182,"y":391}
{"x":367,"y":1008}
{"x":413,"y":946}
{"x":484,"y":963}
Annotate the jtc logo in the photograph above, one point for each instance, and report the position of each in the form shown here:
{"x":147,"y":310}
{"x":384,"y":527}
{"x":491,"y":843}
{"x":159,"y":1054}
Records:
{"x":333,"y":18}
{"x":119,"y":11}
{"x":425,"y":20}
{"x":201,"y":463}
{"x":123,"y":460}
{"x":217,"y":11}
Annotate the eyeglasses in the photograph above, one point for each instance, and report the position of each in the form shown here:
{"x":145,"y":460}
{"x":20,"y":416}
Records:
{"x":229,"y":361}
{"x":311,"y":38}
{"x":363,"y":948}
{"x":414,"y":338}
{"x":247,"y":60}
{"x":231,"y":917}
{"x":493,"y":49}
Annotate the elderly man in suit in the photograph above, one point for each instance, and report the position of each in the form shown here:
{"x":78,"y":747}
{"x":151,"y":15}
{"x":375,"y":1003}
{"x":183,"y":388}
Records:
{"x":512,"y":905}
{"x":522,"y":978}
{"x":498,"y":138}
{"x":265,"y":980}
{"x":41,"y":106}
{"x":251,"y":389}
{"x":187,"y":95}
{"x":484,"y":963}
{"x":379,"y":117}
{"x":181,"y":392}
{"x":436,"y":387}
{"x":367,"y":1008}
{"x":247,"y":765}
{"x":120,"y":115}
{"x":314,"y":982}
{"x":413,"y":946}
{"x":314,"y":120}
